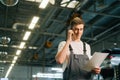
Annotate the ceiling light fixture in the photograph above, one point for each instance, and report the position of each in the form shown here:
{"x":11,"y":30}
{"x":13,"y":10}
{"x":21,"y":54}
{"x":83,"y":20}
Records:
{"x":69,"y":4}
{"x":64,"y":3}
{"x":34,"y":0}
{"x":72,"y":4}
{"x":43,"y":4}
{"x":26,"y":36}
{"x":15,"y":57}
{"x":14,"y":61}
{"x":52,"y":2}
{"x":33,"y":22}
{"x":18,"y":52}
{"x":22,"y":45}
{"x":9,"y":70}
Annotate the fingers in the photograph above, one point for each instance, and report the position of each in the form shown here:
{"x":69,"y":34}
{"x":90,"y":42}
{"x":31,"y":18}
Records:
{"x":70,"y":32}
{"x":70,"y":35}
{"x":96,"y":70}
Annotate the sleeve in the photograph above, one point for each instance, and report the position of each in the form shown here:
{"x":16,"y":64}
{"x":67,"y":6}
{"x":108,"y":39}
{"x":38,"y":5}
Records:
{"x":61,"y":45}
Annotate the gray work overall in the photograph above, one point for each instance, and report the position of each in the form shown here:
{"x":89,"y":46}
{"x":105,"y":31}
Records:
{"x":74,"y":69}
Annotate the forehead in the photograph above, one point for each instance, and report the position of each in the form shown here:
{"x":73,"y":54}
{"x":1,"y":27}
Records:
{"x":79,"y":26}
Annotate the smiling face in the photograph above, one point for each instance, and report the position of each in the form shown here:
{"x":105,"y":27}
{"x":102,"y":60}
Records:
{"x":78,"y":31}
{"x":77,"y":25}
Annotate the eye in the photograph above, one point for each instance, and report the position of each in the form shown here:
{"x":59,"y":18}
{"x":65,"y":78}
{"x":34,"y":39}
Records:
{"x":81,"y":29}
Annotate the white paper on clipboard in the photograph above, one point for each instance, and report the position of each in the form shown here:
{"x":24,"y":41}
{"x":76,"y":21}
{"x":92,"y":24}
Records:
{"x":95,"y":61}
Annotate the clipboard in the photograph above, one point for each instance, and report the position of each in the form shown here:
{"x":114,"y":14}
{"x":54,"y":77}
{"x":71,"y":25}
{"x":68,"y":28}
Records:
{"x":96,"y":61}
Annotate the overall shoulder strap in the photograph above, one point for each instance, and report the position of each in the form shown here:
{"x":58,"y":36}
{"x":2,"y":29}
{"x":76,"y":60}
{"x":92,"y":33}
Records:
{"x":70,"y":48}
{"x":84,"y":47}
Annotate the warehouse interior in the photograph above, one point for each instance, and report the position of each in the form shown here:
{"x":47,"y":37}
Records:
{"x":28,"y":48}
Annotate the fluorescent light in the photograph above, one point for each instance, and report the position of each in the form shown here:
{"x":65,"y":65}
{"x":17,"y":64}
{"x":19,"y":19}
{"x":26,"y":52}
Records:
{"x":18,"y":52}
{"x":64,"y":3}
{"x":34,"y":0}
{"x":57,"y":69}
{"x":26,"y":36}
{"x":31,"y":47}
{"x":14,"y":61}
{"x":35,"y":19}
{"x":49,"y":75}
{"x":72,"y":4}
{"x":52,"y":2}
{"x":10,"y":68}
{"x":31,"y":26}
{"x":15,"y":57}
{"x":43,"y":4}
{"x":22,"y":45}
{"x":33,"y":22}
{"x":12,"y":64}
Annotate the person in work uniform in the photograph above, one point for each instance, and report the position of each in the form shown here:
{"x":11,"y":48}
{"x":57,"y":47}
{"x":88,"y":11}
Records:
{"x":73,"y":53}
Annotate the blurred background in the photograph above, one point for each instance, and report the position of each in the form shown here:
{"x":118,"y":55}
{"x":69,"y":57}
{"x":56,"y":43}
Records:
{"x":30,"y":31}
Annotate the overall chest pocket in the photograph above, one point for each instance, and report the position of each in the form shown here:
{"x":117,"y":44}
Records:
{"x":81,"y":60}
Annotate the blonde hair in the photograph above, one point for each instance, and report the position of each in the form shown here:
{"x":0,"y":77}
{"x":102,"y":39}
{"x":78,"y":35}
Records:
{"x":76,"y":21}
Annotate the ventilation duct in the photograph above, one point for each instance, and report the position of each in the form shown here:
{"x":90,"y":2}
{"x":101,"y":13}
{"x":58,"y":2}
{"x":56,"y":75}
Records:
{"x":9,"y":2}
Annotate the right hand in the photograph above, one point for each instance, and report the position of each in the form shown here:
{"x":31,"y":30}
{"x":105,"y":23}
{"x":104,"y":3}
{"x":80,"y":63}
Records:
{"x":70,"y":35}
{"x":96,"y":70}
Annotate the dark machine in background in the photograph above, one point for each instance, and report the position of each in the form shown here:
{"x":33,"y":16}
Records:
{"x":111,"y":66}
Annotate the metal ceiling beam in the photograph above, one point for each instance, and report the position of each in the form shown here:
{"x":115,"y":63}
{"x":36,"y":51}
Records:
{"x":105,"y":10}
{"x":106,"y":32}
{"x":98,"y":13}
{"x":99,"y":35}
{"x":102,"y":13}
{"x":117,"y":32}
{"x":87,"y":4}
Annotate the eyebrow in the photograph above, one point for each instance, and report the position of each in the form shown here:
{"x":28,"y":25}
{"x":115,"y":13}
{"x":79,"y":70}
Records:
{"x":78,"y":28}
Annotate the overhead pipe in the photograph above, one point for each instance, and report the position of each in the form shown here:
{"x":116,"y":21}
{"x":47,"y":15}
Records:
{"x":15,"y":25}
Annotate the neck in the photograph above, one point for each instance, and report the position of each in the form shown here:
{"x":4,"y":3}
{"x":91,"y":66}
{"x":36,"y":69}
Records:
{"x":77,"y":40}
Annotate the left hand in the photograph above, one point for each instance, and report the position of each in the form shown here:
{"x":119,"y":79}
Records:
{"x":96,"y":70}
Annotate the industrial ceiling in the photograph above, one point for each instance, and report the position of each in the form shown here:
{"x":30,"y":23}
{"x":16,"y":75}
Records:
{"x":102,"y":19}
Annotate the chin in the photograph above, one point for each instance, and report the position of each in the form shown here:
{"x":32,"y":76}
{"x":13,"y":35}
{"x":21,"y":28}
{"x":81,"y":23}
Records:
{"x":78,"y":37}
